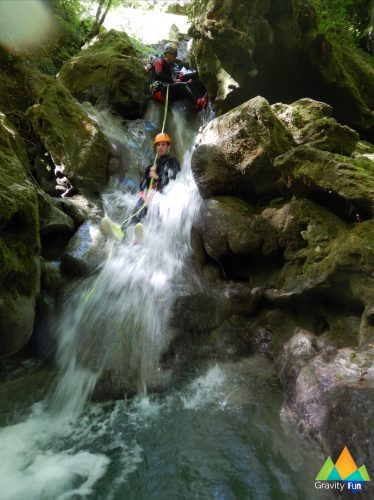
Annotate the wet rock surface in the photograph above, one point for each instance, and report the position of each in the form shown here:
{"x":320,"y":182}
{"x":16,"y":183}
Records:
{"x":85,"y":251}
{"x":235,"y":152}
{"x":306,"y":248}
{"x":329,"y":394}
{"x":279,"y":43}
{"x":108,"y":73}
{"x":78,"y":149}
{"x":19,"y":243}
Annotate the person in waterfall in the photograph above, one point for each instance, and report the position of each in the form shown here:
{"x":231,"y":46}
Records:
{"x":156,"y":176}
{"x":165,"y":72}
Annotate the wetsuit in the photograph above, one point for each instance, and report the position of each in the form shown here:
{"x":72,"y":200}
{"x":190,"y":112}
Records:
{"x":162,"y":72}
{"x":167,"y":169}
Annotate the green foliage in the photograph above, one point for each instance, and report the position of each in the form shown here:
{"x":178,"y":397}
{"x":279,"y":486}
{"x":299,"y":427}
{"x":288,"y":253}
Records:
{"x":348,"y":19}
{"x":72,"y":24}
{"x":195,"y":8}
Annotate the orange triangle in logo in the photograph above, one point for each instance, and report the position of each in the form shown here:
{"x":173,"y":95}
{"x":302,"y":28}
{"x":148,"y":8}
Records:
{"x":345,"y":464}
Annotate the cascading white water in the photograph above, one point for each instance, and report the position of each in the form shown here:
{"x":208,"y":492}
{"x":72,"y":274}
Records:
{"x":118,"y":323}
{"x":122,"y":328}
{"x":236,"y":446}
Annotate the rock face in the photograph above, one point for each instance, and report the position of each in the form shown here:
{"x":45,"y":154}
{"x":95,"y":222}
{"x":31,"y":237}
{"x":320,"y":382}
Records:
{"x":85,"y":251}
{"x":56,"y":227}
{"x":302,"y":249}
{"x":109,"y":72}
{"x":273,"y":49}
{"x":235,"y":152}
{"x":313,"y":242}
{"x":19,"y":243}
{"x":330,"y":394}
{"x":77,"y":147}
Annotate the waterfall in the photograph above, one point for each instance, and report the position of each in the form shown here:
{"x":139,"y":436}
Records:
{"x":119,"y":333}
{"x":114,"y":328}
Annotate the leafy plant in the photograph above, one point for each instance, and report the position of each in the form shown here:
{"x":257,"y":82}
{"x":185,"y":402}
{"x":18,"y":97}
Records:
{"x":349,"y":19}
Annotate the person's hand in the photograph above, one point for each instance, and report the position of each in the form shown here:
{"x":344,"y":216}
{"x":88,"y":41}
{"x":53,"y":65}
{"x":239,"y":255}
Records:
{"x":190,"y":80}
{"x":176,"y":80}
{"x":152,"y":173}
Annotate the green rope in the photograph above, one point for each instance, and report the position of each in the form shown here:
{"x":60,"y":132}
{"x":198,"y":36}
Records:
{"x":149,"y":192}
{"x":165,"y":108}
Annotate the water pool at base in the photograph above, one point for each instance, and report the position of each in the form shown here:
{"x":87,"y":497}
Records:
{"x":219,"y":434}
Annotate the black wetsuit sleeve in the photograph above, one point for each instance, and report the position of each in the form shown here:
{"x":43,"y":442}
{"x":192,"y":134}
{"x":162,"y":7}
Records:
{"x":144,"y":182}
{"x":162,"y":72}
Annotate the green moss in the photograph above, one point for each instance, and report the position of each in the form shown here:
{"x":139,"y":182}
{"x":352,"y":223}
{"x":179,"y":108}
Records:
{"x":111,"y":69}
{"x":74,"y":141}
{"x":19,"y":219}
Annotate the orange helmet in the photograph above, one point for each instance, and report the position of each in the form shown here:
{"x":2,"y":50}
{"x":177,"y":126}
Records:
{"x":162,"y":138}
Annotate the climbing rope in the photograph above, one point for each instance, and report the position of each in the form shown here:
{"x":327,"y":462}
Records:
{"x":149,"y":192}
{"x":150,"y":188}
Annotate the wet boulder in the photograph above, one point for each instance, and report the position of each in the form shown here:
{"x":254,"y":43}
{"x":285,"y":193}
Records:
{"x":235,"y":152}
{"x":79,"y":208}
{"x":109,"y":73}
{"x":84,"y":252}
{"x":310,"y":122}
{"x":330,"y":393}
{"x":224,"y":224}
{"x":78,"y":149}
{"x":56,"y":227}
{"x":203,"y":308}
{"x":275,"y":49}
{"x":343,"y":185}
{"x":19,"y":243}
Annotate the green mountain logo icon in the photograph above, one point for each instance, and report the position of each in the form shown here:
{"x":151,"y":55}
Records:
{"x":345,"y":469}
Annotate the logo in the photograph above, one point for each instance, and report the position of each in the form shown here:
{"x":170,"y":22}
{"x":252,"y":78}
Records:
{"x":341,"y":474}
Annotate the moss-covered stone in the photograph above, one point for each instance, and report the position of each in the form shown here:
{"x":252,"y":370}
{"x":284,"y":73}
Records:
{"x":19,"y":243}
{"x":109,"y":72}
{"x":342,"y":76}
{"x":77,"y":147}
{"x":235,"y":152}
{"x":310,"y":123}
{"x":344,"y":185}
{"x":273,"y":49}
{"x":336,"y":265}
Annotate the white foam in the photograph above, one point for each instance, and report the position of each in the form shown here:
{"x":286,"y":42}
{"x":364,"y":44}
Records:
{"x":31,"y":468}
{"x":205,"y":389}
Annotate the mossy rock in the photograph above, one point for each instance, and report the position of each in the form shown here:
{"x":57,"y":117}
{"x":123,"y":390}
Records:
{"x":344,"y":185}
{"x":224,"y":224}
{"x":235,"y":152}
{"x":19,"y":243}
{"x":341,"y":75}
{"x":79,"y":150}
{"x":273,"y":49}
{"x":109,"y":72}
{"x":310,"y":122}
{"x":335,"y":268}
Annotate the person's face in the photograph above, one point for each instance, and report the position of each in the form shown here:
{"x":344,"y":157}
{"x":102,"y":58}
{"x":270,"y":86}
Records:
{"x":170,"y":58}
{"x":162,"y":148}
